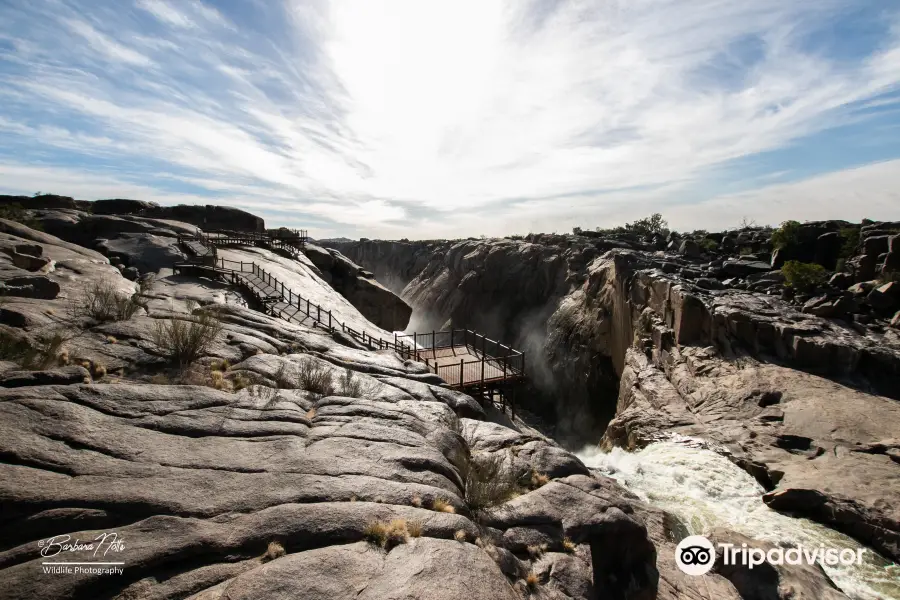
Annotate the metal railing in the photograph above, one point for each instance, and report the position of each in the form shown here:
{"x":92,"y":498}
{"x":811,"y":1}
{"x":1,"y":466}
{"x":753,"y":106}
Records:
{"x":494,"y":361}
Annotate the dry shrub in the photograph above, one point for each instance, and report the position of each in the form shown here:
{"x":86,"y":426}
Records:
{"x":387,"y":535}
{"x":537,"y":550}
{"x":275,"y":550}
{"x":538,"y":479}
{"x":532,"y":581}
{"x":414,"y":528}
{"x":569,"y":546}
{"x":184,"y":341}
{"x":315,"y":378}
{"x":460,"y":535}
{"x":441,"y":505}
{"x":416,"y":501}
{"x":352,"y":386}
{"x":488,"y":482}
{"x":40,"y":353}
{"x":111,"y":340}
{"x":102,"y":302}
{"x":98,"y":370}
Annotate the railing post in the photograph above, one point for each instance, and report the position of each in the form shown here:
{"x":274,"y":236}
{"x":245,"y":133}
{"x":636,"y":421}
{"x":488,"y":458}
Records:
{"x":318,"y":313}
{"x":482,"y":373}
{"x":461,"y":367}
{"x":451,"y":337}
{"x":433,"y":347}
{"x":329,"y":320}
{"x":307,"y":307}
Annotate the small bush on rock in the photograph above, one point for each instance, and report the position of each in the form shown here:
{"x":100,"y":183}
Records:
{"x":803,"y":276}
{"x":38,"y":354}
{"x":387,"y":535}
{"x":315,"y":378}
{"x":101,"y":301}
{"x":184,"y":341}
{"x":441,"y":505}
{"x":352,"y":386}
{"x":275,"y":550}
{"x":488,"y":482}
{"x":786,"y":235}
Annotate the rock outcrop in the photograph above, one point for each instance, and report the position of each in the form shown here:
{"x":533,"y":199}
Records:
{"x":699,"y":341}
{"x":377,"y":303}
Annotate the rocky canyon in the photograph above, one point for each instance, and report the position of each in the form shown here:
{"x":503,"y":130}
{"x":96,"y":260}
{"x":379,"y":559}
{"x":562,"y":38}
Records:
{"x":185,"y":428}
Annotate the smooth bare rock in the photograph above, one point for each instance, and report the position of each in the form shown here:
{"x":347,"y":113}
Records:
{"x":766,"y":581}
{"x":59,"y":376}
{"x":377,"y":303}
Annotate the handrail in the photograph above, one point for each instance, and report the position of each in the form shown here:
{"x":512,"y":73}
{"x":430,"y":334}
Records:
{"x":512,"y":364}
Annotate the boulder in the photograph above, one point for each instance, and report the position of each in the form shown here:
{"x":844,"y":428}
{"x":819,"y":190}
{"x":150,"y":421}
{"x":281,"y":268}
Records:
{"x":828,"y":249}
{"x":885,"y":297}
{"x":876,"y":244}
{"x":31,"y":287}
{"x":841,"y":280}
{"x":690,"y":248}
{"x":735,"y":267}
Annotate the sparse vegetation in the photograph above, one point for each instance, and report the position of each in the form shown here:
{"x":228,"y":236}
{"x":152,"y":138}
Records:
{"x":441,"y":505}
{"x":387,"y":535}
{"x":569,"y":546}
{"x":709,"y":244}
{"x":314,"y":377}
{"x":184,"y":341}
{"x":102,"y":302}
{"x":786,"y":235}
{"x":652,"y":225}
{"x":538,"y":479}
{"x":460,"y":535}
{"x":488,"y":482}
{"x":414,"y":528}
{"x":15,"y":212}
{"x":803,"y":277}
{"x":537,"y":550}
{"x":532,"y":581}
{"x":30,"y":354}
{"x":352,"y":386}
{"x":850,"y":236}
{"x":416,"y":501}
{"x":275,"y":550}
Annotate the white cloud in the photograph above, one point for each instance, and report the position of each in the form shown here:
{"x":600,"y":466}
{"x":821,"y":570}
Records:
{"x":490,"y":113}
{"x":107,"y":46}
{"x":166,"y":13}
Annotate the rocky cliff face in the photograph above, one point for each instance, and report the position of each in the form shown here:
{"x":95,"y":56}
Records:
{"x":701,"y":341}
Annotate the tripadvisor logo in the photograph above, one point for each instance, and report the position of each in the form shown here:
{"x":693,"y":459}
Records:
{"x":696,"y":555}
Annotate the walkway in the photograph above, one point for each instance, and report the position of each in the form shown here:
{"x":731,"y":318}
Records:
{"x":465,"y":359}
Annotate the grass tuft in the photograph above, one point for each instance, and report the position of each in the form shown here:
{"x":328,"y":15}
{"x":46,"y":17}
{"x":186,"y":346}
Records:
{"x":460,"y":535}
{"x":388,"y":535}
{"x":441,"y":505}
{"x":184,"y":341}
{"x":275,"y":550}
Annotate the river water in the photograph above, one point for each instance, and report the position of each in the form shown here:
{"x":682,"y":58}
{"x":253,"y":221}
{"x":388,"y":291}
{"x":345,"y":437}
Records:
{"x":706,"y":490}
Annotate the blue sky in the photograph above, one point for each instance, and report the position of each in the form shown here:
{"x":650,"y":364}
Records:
{"x":413,"y":118}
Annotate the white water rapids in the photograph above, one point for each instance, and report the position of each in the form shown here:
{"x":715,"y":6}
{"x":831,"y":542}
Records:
{"x":706,"y":490}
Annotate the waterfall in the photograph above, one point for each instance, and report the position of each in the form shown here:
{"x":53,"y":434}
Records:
{"x":706,"y":490}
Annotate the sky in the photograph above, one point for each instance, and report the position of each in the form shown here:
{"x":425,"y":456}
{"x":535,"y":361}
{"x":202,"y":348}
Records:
{"x":438,"y":119}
